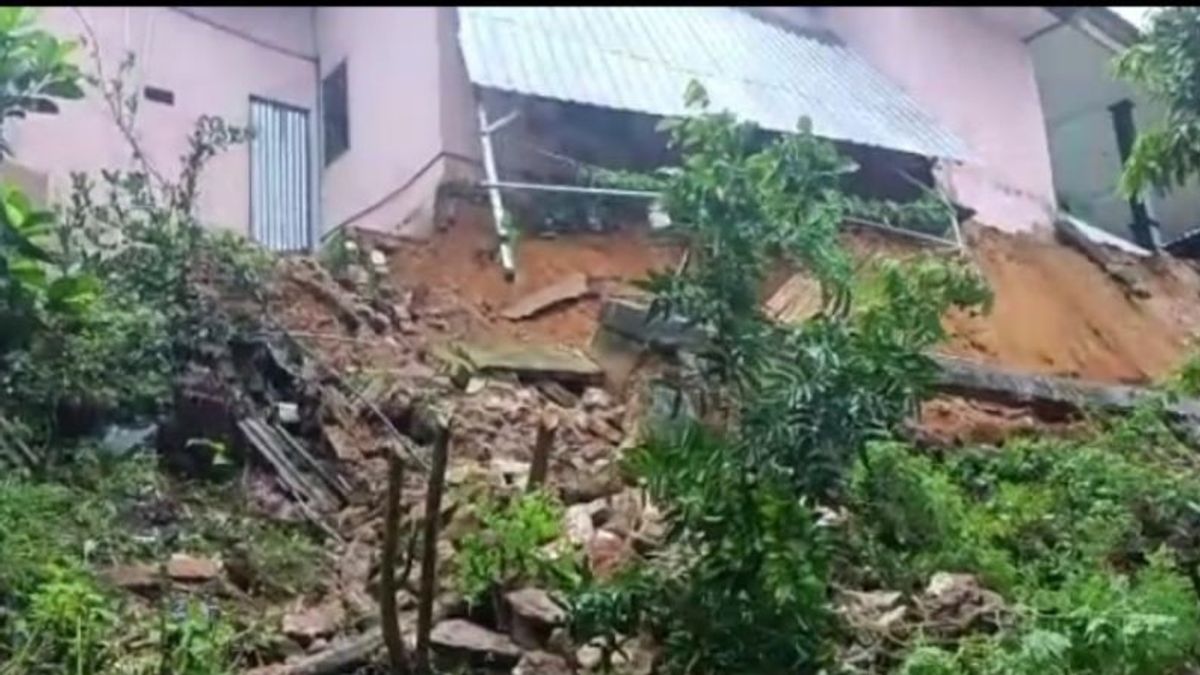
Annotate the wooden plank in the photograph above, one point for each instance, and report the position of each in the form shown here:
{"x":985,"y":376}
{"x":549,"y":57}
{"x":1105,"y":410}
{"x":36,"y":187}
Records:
{"x":571,"y":287}
{"x":335,"y":483}
{"x":272,"y":448}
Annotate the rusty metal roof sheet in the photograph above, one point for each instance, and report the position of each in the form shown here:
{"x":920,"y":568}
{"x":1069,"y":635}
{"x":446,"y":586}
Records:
{"x":641,"y":59}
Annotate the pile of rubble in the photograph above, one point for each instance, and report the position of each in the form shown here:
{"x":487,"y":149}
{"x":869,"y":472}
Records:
{"x":345,"y":375}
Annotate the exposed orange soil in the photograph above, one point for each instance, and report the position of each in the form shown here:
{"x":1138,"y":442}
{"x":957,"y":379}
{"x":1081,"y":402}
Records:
{"x":458,"y":265}
{"x":1055,"y":311}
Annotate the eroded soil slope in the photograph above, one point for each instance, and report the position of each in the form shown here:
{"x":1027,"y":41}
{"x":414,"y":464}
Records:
{"x":1055,"y":311}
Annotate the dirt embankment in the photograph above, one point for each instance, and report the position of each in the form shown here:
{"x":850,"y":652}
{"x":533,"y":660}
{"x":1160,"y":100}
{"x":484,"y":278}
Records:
{"x":1055,"y":311}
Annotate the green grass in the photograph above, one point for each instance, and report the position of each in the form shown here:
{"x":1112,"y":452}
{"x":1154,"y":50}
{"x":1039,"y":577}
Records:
{"x":55,"y":535}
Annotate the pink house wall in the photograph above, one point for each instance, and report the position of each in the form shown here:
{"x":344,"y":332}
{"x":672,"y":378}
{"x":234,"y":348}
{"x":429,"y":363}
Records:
{"x":211,"y":70}
{"x":410,"y":114}
{"x":412,"y":117}
{"x":977,"y":78}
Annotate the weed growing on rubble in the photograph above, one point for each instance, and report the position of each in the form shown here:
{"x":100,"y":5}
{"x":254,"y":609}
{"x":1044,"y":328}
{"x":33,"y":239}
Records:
{"x":508,"y":547}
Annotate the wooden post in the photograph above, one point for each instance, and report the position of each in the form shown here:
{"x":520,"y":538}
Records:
{"x":433,"y":509}
{"x":387,"y":582}
{"x":547,"y":426}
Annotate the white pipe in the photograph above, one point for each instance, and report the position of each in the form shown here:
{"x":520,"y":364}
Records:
{"x":489,"y":168}
{"x":899,"y":230}
{"x":576,"y":189}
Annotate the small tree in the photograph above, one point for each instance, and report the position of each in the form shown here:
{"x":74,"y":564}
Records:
{"x":35,"y":69}
{"x":1165,"y":62}
{"x":34,"y":73}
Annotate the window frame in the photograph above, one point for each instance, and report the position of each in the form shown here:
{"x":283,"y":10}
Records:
{"x":330,"y":117}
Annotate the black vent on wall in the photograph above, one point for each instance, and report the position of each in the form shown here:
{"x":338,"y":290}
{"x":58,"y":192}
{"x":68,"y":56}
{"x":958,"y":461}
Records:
{"x":164,"y":96}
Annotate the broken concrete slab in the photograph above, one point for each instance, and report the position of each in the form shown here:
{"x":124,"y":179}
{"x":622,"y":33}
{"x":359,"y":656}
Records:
{"x":630,"y":319}
{"x":571,"y":287}
{"x":457,"y":640}
{"x":309,"y":624}
{"x":533,"y":615}
{"x":531,"y":360}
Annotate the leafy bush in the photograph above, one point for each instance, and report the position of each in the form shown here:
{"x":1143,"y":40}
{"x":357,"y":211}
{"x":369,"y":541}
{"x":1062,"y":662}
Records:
{"x":509,"y":546}
{"x":748,"y":593}
{"x":1165,"y":62}
{"x":35,"y":67}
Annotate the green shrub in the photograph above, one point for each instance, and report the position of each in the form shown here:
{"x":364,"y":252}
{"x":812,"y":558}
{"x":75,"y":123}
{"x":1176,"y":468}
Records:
{"x":509,"y":546}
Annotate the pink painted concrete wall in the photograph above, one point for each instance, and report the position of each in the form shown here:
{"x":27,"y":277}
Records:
{"x":977,"y":78}
{"x":411,"y":114}
{"x":210,"y":69}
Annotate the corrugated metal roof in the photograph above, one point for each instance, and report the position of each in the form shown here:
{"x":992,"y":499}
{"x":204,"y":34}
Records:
{"x":641,"y":59}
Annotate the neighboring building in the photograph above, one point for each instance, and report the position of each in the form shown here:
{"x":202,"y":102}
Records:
{"x":363,"y":112}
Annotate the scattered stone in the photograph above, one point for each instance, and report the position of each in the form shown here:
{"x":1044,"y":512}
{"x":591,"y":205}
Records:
{"x":589,"y":656}
{"x":135,"y":578}
{"x":461,"y":639}
{"x":536,"y":605}
{"x":378,"y":259}
{"x":405,"y":599}
{"x":183,"y":567}
{"x":512,"y":472}
{"x":317,"y":645}
{"x":475,"y":385}
{"x":606,"y":553}
{"x":592,"y":484}
{"x":595,"y":398}
{"x":634,"y":657}
{"x":542,"y":663}
{"x":533,"y":616}
{"x":871,"y":611}
{"x":578,"y":524}
{"x":307,"y":625}
{"x":605,"y":430}
{"x":953,"y":603}
{"x":624,"y":512}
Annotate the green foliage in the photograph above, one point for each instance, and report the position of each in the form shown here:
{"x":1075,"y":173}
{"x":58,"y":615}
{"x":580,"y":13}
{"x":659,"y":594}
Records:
{"x":148,"y":286}
{"x":1165,"y":63}
{"x":35,"y":69}
{"x":750,"y":594}
{"x":825,"y":387}
{"x":509,"y":546}
{"x":1094,"y":538}
{"x":54,"y":616}
{"x":739,"y":203}
{"x":1185,"y":381}
{"x":749,"y":590}
{"x":927,"y":214}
